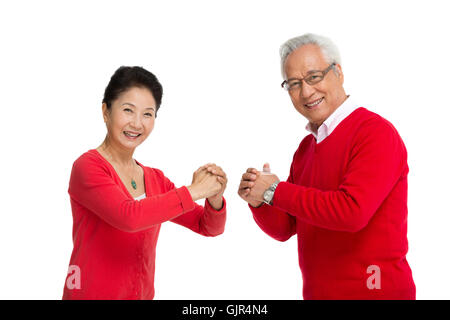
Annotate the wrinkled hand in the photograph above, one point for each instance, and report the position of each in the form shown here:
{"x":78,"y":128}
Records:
{"x":254,"y":183}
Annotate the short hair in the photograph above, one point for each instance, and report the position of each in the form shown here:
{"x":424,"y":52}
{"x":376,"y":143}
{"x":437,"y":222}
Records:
{"x":328,"y":48}
{"x":128,"y":77}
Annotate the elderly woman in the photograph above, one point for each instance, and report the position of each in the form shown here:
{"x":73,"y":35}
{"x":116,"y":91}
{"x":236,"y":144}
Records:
{"x":118,"y":204}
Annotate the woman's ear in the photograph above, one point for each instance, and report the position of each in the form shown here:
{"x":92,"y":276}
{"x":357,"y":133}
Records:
{"x":105,"y":112}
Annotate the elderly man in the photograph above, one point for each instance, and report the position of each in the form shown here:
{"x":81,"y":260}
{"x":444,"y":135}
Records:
{"x":346,"y":194}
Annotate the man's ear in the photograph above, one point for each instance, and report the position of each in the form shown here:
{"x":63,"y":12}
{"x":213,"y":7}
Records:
{"x":105,"y":112}
{"x":339,"y":72}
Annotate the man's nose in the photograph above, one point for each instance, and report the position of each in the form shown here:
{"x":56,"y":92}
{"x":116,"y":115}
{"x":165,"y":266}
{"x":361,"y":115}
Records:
{"x":307,"y":90}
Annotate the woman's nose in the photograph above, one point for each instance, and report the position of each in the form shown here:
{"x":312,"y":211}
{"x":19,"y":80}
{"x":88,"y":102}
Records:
{"x":136,"y":122}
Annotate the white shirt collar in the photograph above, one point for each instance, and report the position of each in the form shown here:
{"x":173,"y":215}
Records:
{"x":327,"y":127}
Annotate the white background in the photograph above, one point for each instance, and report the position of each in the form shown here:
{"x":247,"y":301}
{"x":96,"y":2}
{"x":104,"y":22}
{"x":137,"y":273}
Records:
{"x":219,"y":65}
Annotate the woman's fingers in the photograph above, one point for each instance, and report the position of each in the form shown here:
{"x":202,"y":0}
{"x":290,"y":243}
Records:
{"x":214,"y":169}
{"x":210,"y":178}
{"x":203,"y":167}
{"x":222,"y":181}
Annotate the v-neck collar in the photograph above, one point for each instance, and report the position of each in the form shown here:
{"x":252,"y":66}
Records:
{"x":117,"y":175}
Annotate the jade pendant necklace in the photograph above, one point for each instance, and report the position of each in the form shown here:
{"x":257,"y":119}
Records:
{"x":133,"y":184}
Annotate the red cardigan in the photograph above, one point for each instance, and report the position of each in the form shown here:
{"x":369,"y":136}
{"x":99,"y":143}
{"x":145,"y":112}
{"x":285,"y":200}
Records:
{"x":346,"y":199}
{"x":115,"y":236}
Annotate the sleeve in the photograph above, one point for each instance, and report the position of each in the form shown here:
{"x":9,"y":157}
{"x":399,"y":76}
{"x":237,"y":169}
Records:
{"x":275,"y":222}
{"x":203,"y":220}
{"x":378,"y":160}
{"x":92,"y":186}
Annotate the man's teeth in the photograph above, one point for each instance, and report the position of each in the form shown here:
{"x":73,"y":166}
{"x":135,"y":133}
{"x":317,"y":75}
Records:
{"x":131,"y":134}
{"x":314,"y":103}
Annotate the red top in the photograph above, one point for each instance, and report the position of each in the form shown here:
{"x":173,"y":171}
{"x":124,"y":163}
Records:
{"x":346,"y":199}
{"x":115,"y":236}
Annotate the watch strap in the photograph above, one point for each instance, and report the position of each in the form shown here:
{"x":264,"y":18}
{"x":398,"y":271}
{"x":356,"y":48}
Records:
{"x":271,"y":189}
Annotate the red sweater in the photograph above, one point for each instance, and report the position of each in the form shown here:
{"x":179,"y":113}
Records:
{"x":115,"y":236}
{"x":346,"y":199}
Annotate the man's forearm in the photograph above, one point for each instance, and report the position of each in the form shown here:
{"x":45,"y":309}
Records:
{"x":275,"y":223}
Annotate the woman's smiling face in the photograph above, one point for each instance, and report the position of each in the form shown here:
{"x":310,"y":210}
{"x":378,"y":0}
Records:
{"x":131,"y":118}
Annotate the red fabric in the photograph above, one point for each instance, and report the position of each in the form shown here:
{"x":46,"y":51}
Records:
{"x":115,"y":236}
{"x":346,"y":199}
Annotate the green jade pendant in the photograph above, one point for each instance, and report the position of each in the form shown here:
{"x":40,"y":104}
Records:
{"x":133,"y":184}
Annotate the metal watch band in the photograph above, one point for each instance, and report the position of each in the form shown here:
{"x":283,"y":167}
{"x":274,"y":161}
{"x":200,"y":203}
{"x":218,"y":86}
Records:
{"x":270,"y":193}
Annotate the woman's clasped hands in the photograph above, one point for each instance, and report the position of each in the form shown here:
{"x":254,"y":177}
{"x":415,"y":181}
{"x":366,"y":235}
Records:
{"x":209,"y":181}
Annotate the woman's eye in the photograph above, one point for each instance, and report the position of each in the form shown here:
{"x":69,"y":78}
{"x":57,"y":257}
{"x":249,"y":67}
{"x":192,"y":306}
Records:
{"x":148,"y":115}
{"x":127,"y":110}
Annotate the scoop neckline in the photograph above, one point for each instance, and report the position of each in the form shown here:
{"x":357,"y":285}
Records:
{"x":117,"y":175}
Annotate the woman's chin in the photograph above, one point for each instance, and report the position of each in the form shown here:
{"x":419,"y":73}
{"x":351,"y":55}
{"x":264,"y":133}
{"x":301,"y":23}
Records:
{"x":131,"y":142}
{"x":127,"y":144}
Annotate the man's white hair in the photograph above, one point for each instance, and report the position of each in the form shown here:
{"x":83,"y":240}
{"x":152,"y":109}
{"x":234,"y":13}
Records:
{"x":329,"y":49}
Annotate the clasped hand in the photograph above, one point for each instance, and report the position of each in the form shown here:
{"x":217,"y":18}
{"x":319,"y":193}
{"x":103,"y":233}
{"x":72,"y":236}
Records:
{"x":254,"y":183}
{"x":209,"y":181}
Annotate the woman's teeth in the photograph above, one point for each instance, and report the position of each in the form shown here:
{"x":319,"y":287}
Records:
{"x":131,"y":135}
{"x":309,"y":105}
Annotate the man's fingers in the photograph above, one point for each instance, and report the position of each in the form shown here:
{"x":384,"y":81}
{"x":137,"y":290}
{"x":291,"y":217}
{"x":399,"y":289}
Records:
{"x":246,"y":184}
{"x":249,"y":176}
{"x":252,"y":170}
{"x":244,"y":192}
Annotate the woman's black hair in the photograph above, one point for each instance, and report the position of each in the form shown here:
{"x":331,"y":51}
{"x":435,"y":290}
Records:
{"x":127,"y":77}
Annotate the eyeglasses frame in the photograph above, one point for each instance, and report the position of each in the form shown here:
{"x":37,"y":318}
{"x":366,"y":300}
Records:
{"x":324,"y":72}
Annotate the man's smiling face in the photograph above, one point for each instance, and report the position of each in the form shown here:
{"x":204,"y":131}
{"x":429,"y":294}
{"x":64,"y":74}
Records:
{"x":315,"y":102}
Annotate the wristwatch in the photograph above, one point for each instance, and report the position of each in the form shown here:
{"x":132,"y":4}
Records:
{"x":268,"y":194}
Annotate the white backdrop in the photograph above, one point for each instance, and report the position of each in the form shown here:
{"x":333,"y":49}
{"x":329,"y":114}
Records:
{"x":219,"y":66}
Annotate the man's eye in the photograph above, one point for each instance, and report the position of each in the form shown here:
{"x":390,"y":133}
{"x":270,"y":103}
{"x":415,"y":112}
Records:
{"x":148,"y":114}
{"x":127,"y":109}
{"x":314,"y":78}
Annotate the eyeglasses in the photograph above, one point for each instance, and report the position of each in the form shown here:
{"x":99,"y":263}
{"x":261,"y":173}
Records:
{"x":313,"y":78}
